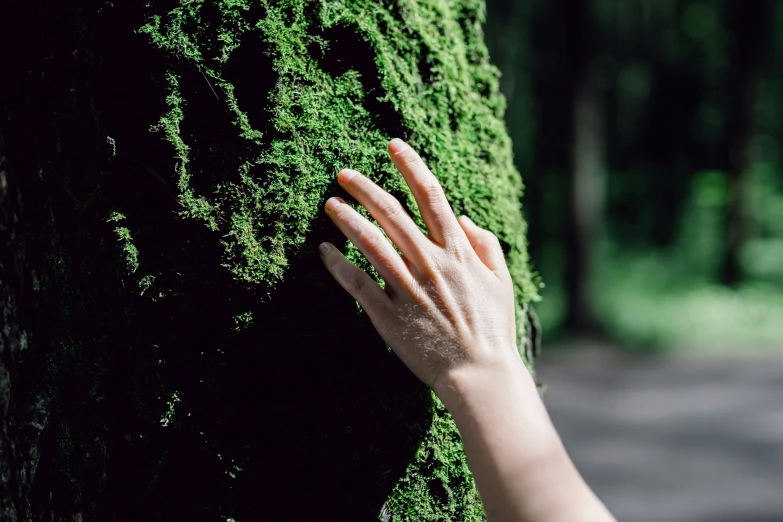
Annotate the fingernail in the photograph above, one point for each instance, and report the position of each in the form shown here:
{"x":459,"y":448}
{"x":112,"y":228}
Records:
{"x":324,"y":248}
{"x":397,"y":145}
{"x":332,"y":203}
{"x":470,"y":221}
{"x":346,"y":175}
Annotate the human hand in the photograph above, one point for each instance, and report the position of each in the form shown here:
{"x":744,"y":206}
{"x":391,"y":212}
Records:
{"x":448,"y":302}
{"x":447,"y":310}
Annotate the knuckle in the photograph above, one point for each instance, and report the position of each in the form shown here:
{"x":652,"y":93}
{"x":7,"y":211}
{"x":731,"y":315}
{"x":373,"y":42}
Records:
{"x":461,"y":251}
{"x":431,"y":189}
{"x":491,"y":238}
{"x":370,"y":239}
{"x":332,"y":262}
{"x":437,"y":263}
{"x":390,"y":208}
{"x":409,"y":157}
{"x":486,"y":238}
{"x":355,"y":283}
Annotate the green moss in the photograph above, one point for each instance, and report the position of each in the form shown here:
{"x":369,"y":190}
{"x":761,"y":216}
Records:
{"x":345,"y":78}
{"x":170,"y":413}
{"x":438,"y":484}
{"x":320,"y":122}
{"x":129,"y":251}
{"x":243,"y":320}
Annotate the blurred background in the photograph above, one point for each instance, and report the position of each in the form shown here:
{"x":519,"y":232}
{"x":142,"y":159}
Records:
{"x":649,"y":137}
{"x":648,"y":133}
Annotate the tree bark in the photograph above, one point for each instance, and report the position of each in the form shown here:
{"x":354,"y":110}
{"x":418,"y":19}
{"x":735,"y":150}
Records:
{"x":24,"y":399}
{"x":12,"y":334}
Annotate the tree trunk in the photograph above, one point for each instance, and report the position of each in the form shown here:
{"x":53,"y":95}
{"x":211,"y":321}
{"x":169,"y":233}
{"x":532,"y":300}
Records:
{"x":174,"y":162}
{"x":587,"y":174}
{"x":749,"y":25}
{"x":508,"y":40}
{"x":24,"y":398}
{"x":12,"y":334}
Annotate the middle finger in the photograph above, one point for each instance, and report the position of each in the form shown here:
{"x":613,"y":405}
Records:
{"x":388,"y":212}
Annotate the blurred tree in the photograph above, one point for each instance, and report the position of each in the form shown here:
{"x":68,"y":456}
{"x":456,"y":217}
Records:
{"x":508,"y":38}
{"x":654,"y":98}
{"x":750,"y":28}
{"x":587,"y":169}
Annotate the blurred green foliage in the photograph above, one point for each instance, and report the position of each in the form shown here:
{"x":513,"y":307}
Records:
{"x":690,"y":93}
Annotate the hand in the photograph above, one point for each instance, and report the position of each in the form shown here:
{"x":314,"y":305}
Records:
{"x":447,"y":310}
{"x":448,"y":302}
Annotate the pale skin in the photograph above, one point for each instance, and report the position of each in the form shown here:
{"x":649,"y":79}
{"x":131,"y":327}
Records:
{"x":447,"y":310}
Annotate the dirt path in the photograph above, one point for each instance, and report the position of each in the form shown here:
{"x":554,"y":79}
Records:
{"x":673,"y":440}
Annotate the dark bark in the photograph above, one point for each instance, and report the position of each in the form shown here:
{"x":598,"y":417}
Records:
{"x":23,"y":398}
{"x":586,"y":173}
{"x":12,"y":335}
{"x":749,"y":24}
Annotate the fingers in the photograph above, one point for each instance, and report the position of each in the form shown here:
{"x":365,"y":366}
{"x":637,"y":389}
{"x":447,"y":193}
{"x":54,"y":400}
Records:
{"x":355,"y":281}
{"x":487,"y":247}
{"x":435,"y":209}
{"x":386,"y":210}
{"x":371,"y":242}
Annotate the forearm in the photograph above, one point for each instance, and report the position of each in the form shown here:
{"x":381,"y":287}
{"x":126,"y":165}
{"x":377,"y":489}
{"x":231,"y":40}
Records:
{"x":520,"y":466}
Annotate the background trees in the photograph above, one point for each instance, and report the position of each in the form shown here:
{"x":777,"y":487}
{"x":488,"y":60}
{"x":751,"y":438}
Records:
{"x":174,"y":347}
{"x":654,"y":209}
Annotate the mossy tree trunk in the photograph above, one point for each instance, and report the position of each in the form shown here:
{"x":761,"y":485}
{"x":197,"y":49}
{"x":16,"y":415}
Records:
{"x":189,"y":357}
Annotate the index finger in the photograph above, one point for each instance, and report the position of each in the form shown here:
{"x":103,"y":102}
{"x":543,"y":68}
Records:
{"x":441,"y":222}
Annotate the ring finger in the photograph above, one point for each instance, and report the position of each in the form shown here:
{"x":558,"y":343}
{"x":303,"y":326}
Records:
{"x":388,"y":212}
{"x":370,"y":241}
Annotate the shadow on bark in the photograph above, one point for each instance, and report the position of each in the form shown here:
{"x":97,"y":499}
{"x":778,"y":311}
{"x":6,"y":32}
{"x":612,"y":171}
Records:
{"x":166,"y":406}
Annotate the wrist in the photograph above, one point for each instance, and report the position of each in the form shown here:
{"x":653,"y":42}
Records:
{"x":459,"y":387}
{"x":477,"y":396}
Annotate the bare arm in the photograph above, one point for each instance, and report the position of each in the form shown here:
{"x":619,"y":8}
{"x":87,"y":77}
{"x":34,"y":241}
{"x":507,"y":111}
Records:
{"x":447,"y":310}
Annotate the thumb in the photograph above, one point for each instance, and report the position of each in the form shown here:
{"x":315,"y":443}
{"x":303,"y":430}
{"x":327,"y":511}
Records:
{"x":486,"y":246}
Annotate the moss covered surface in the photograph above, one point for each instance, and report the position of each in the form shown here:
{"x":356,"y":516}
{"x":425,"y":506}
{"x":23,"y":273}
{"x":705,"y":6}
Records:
{"x":205,"y":365}
{"x":335,"y":80}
